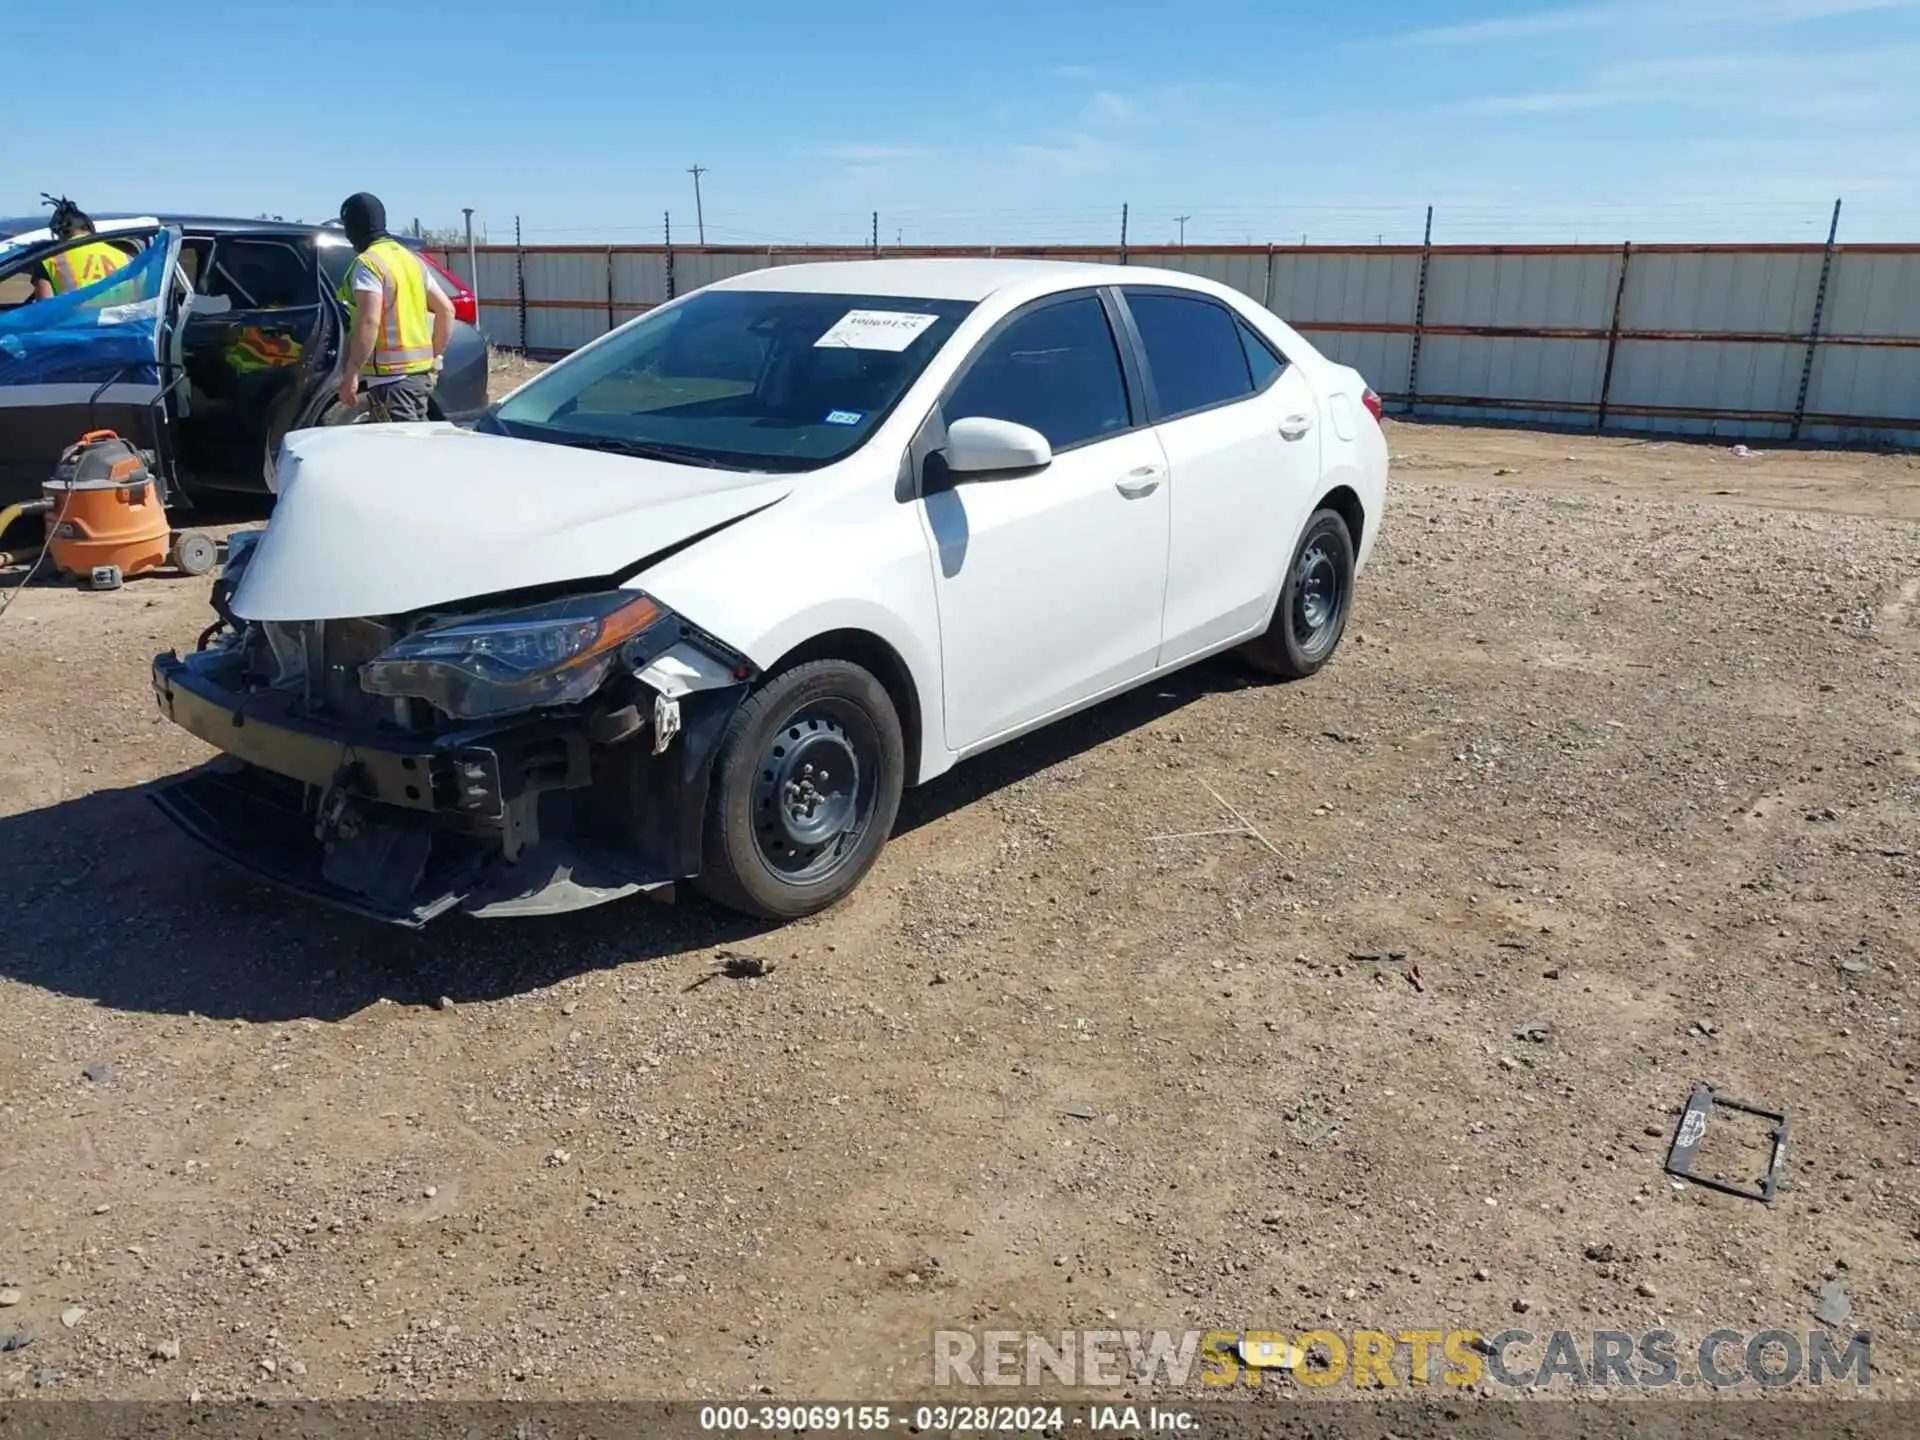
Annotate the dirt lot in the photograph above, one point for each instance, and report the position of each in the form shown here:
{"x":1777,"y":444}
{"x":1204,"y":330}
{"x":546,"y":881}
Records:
{"x":1621,"y":763}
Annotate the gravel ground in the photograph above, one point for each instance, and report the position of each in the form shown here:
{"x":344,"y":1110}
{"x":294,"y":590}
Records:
{"x":1611,"y":790}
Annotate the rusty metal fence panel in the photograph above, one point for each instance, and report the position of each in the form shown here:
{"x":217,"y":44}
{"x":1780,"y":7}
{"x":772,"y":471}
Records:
{"x":1704,"y":340}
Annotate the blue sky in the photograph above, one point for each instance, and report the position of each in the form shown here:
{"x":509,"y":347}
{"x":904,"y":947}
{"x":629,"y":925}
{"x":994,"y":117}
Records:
{"x":996,"y":120}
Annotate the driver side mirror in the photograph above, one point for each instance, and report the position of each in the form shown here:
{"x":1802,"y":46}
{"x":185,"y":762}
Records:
{"x":979,"y":448}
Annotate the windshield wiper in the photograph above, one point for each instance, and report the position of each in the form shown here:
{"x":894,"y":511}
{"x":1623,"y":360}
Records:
{"x":642,"y":449}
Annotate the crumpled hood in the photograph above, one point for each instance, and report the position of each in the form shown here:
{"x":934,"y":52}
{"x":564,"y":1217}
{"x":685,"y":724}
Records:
{"x":383,"y":519}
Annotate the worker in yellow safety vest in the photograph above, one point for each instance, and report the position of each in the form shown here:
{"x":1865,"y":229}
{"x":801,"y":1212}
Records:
{"x":401,"y":320}
{"x":78,"y":266}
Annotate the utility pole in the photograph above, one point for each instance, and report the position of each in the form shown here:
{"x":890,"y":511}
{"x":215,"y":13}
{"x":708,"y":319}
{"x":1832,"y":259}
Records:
{"x":699,"y":214}
{"x":473,"y":262}
{"x":1181,"y":221}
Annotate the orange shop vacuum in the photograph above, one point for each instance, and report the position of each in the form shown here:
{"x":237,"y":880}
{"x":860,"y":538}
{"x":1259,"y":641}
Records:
{"x":107,"y":516}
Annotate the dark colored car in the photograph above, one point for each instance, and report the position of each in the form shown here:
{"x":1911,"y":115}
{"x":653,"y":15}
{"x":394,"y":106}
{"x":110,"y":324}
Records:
{"x":247,"y":342}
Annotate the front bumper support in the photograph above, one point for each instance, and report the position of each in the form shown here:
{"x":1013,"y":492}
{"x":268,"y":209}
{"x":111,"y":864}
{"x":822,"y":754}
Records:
{"x":404,"y":828}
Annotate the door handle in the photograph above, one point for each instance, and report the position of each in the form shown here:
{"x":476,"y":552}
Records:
{"x":1137,"y":483}
{"x":1295,"y":426}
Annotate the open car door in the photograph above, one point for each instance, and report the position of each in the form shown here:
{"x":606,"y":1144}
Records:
{"x":92,"y":359}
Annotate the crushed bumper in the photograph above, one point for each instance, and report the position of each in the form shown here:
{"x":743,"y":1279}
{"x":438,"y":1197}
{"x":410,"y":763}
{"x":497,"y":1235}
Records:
{"x":529,"y":817}
{"x":260,"y":823}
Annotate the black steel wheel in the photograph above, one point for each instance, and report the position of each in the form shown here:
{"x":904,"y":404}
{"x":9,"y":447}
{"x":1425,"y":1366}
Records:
{"x":1315,"y":599}
{"x":805,"y":789}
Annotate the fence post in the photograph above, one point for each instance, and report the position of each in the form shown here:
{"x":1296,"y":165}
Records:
{"x":876,"y":234}
{"x":1266,"y":297}
{"x":1813,"y":332}
{"x":1419,"y":316}
{"x":1613,"y":335}
{"x":669,"y":235}
{"x":520,"y":279}
{"x":1123,"y":233}
{"x":611,"y":323}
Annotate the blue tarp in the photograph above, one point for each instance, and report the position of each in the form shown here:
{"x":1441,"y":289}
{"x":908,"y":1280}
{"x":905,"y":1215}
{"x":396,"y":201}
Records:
{"x":89,"y":335}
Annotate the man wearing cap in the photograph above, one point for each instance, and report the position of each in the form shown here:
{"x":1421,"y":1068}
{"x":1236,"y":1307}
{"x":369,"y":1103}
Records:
{"x":401,"y":319}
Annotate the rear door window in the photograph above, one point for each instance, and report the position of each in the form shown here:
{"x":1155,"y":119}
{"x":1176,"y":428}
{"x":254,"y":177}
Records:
{"x":1194,"y":351}
{"x":259,"y":275}
{"x":1055,"y":370}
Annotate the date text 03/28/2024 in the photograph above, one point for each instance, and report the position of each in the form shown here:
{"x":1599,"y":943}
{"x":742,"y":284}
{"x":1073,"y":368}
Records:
{"x":946,"y":1419}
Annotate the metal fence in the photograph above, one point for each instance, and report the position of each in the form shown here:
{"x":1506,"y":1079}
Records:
{"x":1764,"y":342}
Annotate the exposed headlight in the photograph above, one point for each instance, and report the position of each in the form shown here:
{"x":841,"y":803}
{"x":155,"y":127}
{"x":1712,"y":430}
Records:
{"x":553,"y":654}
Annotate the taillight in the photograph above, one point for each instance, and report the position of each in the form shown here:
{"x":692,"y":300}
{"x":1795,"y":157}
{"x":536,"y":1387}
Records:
{"x":466,"y":306}
{"x":1372,"y":402}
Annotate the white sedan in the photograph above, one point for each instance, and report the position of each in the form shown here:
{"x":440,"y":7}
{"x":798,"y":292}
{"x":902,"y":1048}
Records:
{"x":696,"y":603}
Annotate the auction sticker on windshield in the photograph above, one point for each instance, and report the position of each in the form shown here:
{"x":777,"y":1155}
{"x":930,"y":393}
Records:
{"x":875,"y":330}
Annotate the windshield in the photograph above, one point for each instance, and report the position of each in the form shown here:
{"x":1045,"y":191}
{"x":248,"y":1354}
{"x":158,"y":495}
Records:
{"x":739,"y":379}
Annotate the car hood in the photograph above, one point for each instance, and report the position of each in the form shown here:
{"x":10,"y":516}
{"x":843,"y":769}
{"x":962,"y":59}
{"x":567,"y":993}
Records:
{"x":385,"y":519}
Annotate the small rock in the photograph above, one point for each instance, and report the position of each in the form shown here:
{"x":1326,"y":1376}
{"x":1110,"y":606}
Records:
{"x":1834,"y":1307}
{"x":72,"y":1316}
{"x":443,"y":1003}
{"x":1520,"y":1307}
{"x":45,"y":1377}
{"x":167,"y":1350}
{"x":569,"y":1007}
{"x":939,"y":978}
{"x":1507,"y":1062}
{"x":269,"y":1366}
{"x":1600,"y":1254}
{"x":13,"y":1340}
{"x":559,"y":1157}
{"x":431,"y":1191}
{"x":1645,"y":1290}
{"x":296,"y":1368}
{"x":98,"y":1074}
{"x":1854,"y":967}
{"x":1272,"y":1217}
{"x":1059,"y":1262}
{"x":101,"y":1209}
{"x":1553,"y":974}
{"x":1534,"y":1032}
{"x":9,"y":1297}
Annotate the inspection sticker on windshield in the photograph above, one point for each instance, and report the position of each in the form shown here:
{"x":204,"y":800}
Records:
{"x":845,"y":417}
{"x":875,"y":330}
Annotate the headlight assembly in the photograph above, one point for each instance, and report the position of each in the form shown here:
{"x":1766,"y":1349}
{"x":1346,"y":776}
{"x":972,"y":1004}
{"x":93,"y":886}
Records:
{"x":513,"y":660}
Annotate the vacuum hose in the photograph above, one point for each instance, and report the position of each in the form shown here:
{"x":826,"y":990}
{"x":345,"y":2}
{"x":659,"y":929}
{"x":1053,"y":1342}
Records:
{"x":25,"y":507}
{"x":16,"y":512}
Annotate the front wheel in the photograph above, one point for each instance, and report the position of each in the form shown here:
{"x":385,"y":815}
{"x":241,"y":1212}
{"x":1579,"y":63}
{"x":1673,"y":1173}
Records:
{"x":1314,"y":601}
{"x":806,"y":785}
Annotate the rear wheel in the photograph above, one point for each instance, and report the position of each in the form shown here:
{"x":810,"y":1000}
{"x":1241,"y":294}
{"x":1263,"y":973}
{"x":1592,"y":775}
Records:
{"x":806,"y":785}
{"x":1314,"y":601}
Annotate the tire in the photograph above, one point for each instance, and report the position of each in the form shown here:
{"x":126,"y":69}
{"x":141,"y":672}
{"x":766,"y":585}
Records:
{"x":1315,"y":599}
{"x":778,"y":846}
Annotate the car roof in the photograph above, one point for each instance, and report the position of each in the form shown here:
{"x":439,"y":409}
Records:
{"x":949,"y":278}
{"x":199,"y":224}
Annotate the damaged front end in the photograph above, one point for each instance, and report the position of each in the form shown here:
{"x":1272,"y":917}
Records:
{"x":502,"y":758}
